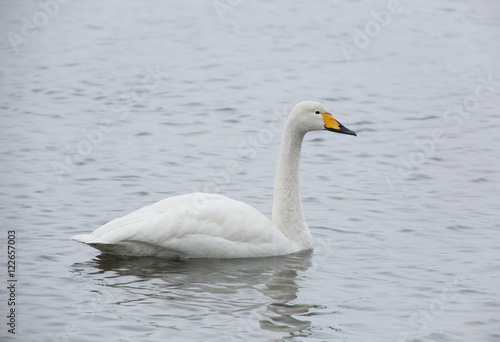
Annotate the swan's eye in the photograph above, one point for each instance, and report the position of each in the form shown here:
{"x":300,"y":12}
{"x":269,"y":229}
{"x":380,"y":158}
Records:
{"x":316,"y":112}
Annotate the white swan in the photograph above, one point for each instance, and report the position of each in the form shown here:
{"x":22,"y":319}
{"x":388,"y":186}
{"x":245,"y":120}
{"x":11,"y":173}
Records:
{"x":200,"y":225}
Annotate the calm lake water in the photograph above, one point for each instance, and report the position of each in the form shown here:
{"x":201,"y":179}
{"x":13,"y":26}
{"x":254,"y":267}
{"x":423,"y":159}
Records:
{"x":110,"y":106}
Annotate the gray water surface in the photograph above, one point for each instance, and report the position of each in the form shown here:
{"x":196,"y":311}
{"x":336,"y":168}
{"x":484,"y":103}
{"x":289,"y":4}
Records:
{"x":110,"y":106}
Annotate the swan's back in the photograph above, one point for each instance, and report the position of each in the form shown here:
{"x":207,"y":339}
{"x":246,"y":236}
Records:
{"x":193,"y":225}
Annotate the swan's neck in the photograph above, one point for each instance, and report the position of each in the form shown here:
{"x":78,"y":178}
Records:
{"x":288,"y":214}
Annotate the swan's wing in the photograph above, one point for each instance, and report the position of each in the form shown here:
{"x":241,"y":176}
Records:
{"x":192,"y":225}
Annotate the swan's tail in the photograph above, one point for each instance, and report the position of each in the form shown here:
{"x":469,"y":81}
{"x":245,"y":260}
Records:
{"x":89,"y":239}
{"x":134,"y":248}
{"x":97,"y":243}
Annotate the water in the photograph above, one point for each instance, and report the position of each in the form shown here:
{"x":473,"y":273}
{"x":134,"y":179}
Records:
{"x":109,"y":106}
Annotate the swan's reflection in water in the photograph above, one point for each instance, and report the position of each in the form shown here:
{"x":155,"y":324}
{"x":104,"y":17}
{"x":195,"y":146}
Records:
{"x":247,"y":295}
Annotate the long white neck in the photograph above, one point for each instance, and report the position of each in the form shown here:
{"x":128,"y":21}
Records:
{"x":288,"y":214}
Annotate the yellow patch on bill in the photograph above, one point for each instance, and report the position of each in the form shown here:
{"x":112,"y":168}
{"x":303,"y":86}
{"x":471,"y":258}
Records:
{"x":330,"y":121}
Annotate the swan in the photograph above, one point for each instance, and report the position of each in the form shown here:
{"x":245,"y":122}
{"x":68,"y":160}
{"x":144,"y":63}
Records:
{"x":201,"y":225}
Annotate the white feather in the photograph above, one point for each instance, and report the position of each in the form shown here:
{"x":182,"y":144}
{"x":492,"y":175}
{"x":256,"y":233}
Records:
{"x":192,"y":225}
{"x":202,"y":225}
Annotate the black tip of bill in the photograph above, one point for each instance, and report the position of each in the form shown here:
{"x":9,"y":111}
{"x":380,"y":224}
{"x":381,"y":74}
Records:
{"x":346,"y":130}
{"x":342,"y":129}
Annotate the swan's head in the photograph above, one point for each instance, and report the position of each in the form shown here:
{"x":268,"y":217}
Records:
{"x":313,"y":116}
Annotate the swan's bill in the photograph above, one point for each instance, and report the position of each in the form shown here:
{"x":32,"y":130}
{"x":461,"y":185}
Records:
{"x":331,"y":124}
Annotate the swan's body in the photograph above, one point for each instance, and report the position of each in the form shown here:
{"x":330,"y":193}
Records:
{"x":202,"y":225}
{"x":195,"y":225}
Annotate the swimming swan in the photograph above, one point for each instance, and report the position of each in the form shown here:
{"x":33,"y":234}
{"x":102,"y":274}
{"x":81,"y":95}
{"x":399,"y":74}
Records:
{"x":201,"y":225}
